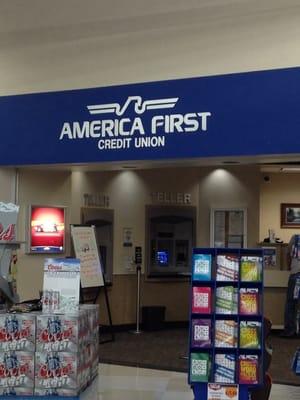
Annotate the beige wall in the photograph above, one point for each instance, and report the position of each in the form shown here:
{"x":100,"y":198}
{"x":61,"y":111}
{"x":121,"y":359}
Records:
{"x":7,"y":185}
{"x":39,"y":188}
{"x":129,"y":193}
{"x":280,"y":188}
{"x":235,"y":187}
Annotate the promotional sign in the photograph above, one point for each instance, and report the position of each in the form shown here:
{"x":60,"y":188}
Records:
{"x":222,"y":392}
{"x":61,"y":285}
{"x":47,"y":229}
{"x":86,"y":249}
{"x":243,"y":114}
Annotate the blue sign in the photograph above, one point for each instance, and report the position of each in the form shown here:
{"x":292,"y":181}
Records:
{"x":245,"y":114}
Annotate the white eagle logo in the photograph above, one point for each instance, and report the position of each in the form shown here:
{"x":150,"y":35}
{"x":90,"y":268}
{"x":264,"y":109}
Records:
{"x":140,"y":106}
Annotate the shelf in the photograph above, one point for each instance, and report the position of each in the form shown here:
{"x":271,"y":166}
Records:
{"x":252,"y":317}
{"x":248,"y":351}
{"x":199,"y":349}
{"x":251,"y":283}
{"x":226,"y":349}
{"x":203,"y":283}
{"x":227,"y":283}
{"x":226,"y":316}
{"x":200,"y":315}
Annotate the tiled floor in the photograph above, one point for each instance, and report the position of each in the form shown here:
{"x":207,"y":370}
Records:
{"x":127,"y":383}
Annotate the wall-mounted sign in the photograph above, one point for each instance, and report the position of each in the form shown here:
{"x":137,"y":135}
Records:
{"x":138,"y":255}
{"x":171,"y":198}
{"x":244,"y":114}
{"x":95,"y":200}
{"x":46,"y":229}
{"x":127,"y":237}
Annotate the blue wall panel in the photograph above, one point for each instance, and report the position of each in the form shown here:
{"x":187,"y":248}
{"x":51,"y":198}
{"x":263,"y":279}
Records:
{"x":255,"y":113}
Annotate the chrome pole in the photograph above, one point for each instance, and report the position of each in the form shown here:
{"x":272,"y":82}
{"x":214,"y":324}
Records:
{"x":138,"y":299}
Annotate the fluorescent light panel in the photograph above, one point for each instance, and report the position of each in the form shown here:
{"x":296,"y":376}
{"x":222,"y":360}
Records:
{"x":290,"y":169}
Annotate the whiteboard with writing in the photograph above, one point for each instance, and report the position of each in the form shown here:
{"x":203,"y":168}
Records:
{"x":86,"y":249}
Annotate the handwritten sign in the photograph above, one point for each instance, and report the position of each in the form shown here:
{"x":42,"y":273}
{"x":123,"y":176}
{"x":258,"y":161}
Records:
{"x":86,"y":249}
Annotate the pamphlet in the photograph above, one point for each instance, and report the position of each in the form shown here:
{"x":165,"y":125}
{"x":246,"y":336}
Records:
{"x":250,"y":332}
{"x":227,"y":267}
{"x":248,"y":369}
{"x":201,"y":300}
{"x":226,"y":300}
{"x":200,"y":367}
{"x":224,"y":368}
{"x":251,"y":268}
{"x":249,"y":304}
{"x":201,"y":333}
{"x":226,"y":333}
{"x":201,"y":267}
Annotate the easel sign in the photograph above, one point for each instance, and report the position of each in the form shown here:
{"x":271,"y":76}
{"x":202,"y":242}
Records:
{"x":86,"y":249}
{"x":91,"y":274}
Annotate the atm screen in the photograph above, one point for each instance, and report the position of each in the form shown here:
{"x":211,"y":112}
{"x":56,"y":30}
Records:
{"x":162,"y":258}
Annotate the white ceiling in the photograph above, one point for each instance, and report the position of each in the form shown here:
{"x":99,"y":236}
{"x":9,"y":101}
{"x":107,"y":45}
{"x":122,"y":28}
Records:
{"x":25,"y":16}
{"x":24,"y":23}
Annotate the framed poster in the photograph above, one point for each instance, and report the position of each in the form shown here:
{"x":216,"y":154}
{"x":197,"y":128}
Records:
{"x":86,"y":250}
{"x":46,"y":229}
{"x":290,"y":215}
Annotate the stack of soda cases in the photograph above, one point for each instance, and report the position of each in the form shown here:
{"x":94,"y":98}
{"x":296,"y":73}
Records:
{"x":48,"y":354}
{"x":66,"y":350}
{"x":17,"y":350}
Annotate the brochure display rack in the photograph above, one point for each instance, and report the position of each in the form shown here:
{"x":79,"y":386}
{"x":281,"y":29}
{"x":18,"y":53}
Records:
{"x":226,"y":323}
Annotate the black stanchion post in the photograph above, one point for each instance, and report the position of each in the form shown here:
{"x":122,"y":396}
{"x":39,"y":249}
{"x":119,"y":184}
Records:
{"x":138,"y":262}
